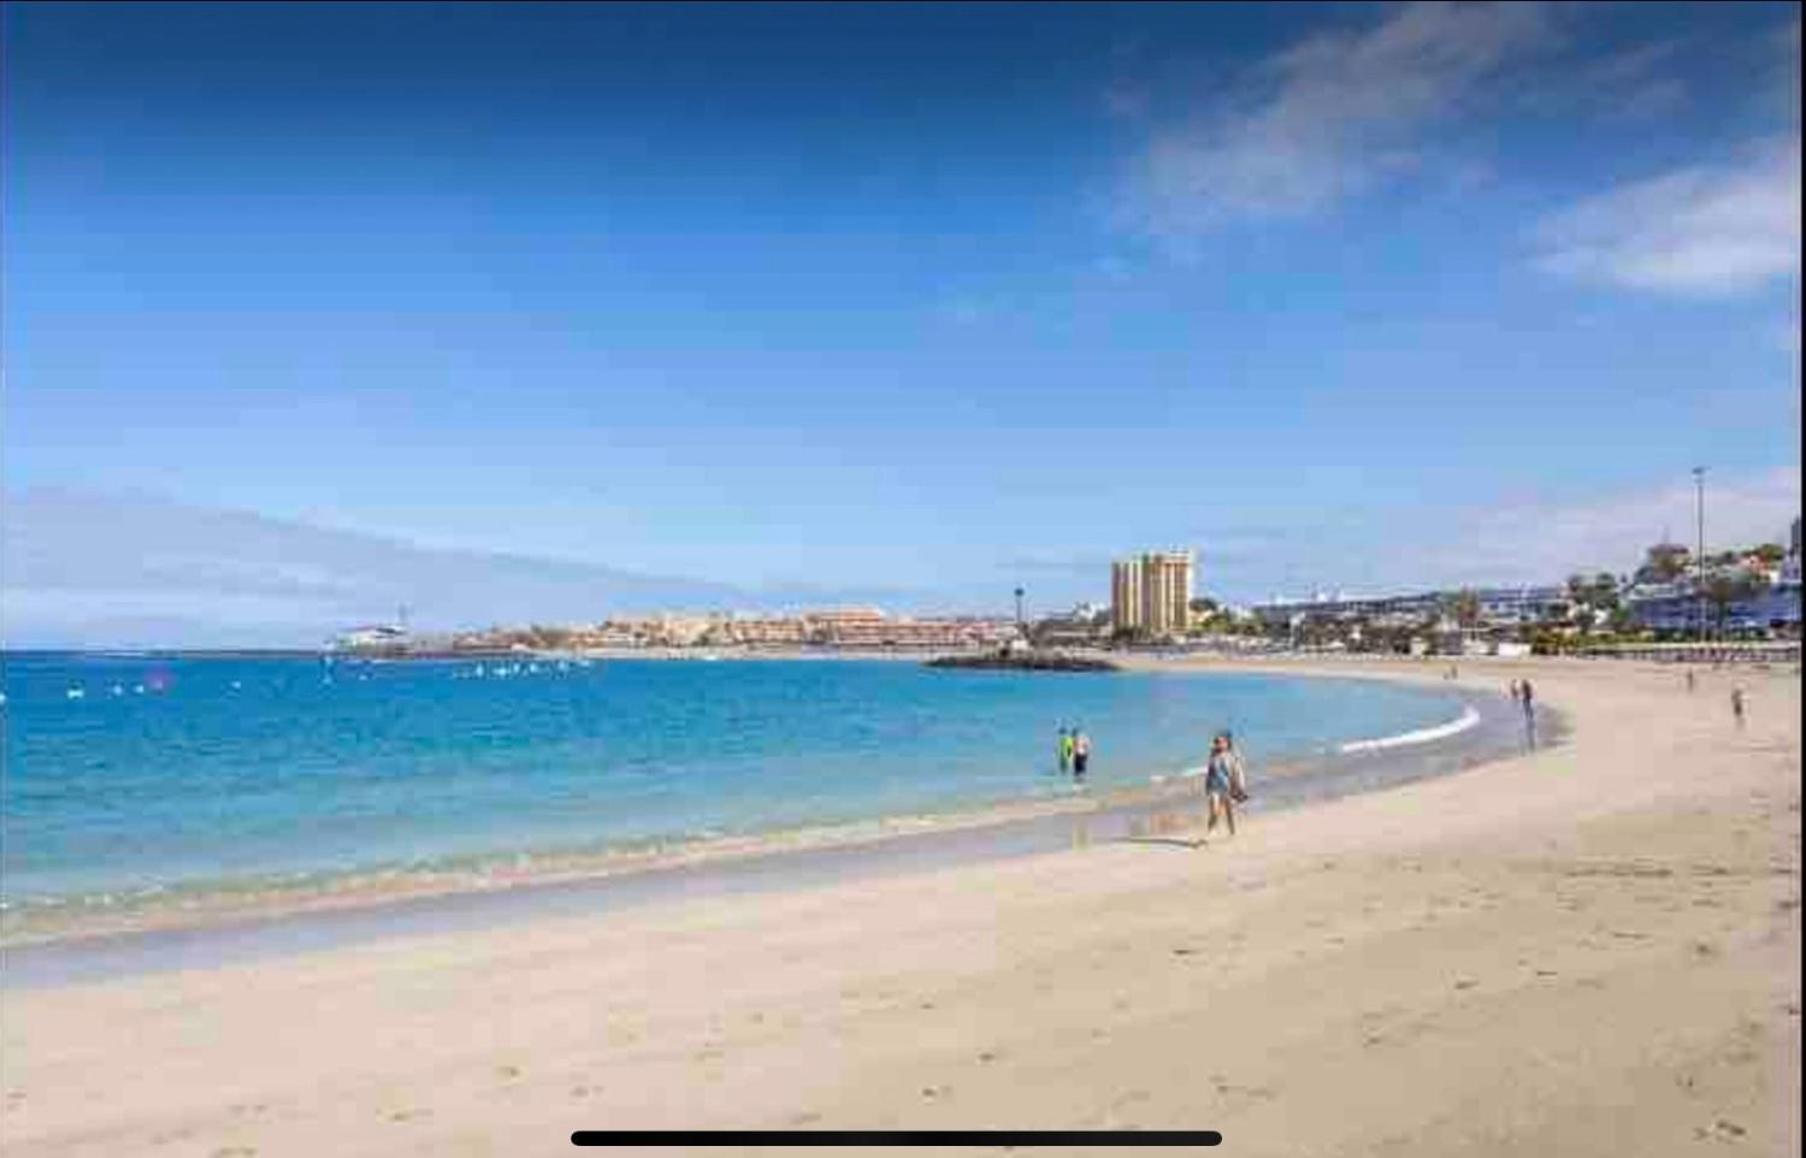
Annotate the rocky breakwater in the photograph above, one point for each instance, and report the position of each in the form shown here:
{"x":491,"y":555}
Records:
{"x":1025,"y":661}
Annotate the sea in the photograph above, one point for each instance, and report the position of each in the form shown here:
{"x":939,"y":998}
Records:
{"x":131,"y":777}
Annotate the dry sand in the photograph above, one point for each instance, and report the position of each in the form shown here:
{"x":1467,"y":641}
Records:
{"x":1593,"y":950}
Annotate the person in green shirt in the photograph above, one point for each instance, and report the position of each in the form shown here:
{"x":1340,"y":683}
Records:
{"x":1065,"y":751}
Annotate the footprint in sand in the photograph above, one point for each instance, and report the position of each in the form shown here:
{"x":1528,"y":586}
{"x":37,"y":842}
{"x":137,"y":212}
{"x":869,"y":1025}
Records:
{"x":235,"y":1152}
{"x":407,"y":1115}
{"x":807,"y":1118}
{"x":1722,"y":1128}
{"x":581,"y":1091}
{"x":507,"y":1073}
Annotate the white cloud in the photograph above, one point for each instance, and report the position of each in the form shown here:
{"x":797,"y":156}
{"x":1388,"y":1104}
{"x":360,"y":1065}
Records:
{"x":1333,"y":115}
{"x":1705,"y":229}
{"x":1540,"y":542}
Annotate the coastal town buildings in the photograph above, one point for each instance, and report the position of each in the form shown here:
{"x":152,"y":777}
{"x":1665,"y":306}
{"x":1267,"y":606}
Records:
{"x":374,"y":637}
{"x":1151,"y":593}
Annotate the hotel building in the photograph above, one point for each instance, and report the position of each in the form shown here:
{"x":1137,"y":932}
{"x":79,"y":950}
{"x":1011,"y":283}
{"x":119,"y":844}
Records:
{"x":1152,"y":592}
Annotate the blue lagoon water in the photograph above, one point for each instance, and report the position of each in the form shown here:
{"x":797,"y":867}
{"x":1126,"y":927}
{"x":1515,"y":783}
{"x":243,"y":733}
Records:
{"x":197,"y":773}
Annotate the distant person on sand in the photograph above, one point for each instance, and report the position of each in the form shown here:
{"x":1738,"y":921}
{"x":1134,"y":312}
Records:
{"x":1737,"y":705}
{"x":1081,"y":753}
{"x":1064,"y":750}
{"x":1690,"y":680}
{"x":1219,"y":777}
{"x":1527,"y":698}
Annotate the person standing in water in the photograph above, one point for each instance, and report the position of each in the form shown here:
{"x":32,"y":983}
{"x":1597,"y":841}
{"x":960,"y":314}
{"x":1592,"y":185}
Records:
{"x":1064,"y":750}
{"x":1081,"y":753}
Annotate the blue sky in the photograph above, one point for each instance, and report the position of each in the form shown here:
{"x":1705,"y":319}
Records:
{"x":917,"y":300}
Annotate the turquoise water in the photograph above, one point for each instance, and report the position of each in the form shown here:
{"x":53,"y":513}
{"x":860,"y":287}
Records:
{"x":192,"y":773}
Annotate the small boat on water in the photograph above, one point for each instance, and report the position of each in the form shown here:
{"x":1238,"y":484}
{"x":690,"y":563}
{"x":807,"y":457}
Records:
{"x":75,"y":693}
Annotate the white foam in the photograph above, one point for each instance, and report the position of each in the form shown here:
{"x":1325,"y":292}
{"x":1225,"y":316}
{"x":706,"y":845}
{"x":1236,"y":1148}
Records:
{"x":1466,"y":720}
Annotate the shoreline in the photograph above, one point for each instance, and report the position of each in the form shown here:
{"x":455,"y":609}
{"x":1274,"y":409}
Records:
{"x":1586,"y":949}
{"x":67,"y":925}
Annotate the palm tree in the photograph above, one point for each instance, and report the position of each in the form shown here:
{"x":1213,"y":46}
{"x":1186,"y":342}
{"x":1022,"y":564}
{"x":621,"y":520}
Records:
{"x":1728,"y":587}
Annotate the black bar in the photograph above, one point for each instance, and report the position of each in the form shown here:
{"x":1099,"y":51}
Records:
{"x":1167,"y":1138}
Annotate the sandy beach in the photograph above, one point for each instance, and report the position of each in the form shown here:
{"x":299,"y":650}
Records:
{"x":1592,"y":949}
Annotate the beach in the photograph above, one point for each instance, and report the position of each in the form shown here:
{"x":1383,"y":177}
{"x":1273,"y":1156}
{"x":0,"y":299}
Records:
{"x":1588,"y":949}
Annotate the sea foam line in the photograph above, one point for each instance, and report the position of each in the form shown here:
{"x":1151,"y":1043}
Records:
{"x":1462,"y":723}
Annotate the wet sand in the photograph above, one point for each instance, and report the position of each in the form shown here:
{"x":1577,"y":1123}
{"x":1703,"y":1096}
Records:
{"x":1591,"y":949}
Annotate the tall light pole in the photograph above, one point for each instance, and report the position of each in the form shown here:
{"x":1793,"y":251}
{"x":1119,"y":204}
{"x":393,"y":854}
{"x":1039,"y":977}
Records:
{"x":1699,"y":489}
{"x":1018,"y":609}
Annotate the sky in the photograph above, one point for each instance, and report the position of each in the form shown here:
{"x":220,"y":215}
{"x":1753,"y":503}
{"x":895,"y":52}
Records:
{"x":601,"y":306}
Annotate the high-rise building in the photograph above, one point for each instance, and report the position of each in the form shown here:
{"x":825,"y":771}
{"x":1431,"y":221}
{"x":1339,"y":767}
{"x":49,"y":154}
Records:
{"x":1152,"y":592}
{"x":1125,"y":595}
{"x":1166,"y":591}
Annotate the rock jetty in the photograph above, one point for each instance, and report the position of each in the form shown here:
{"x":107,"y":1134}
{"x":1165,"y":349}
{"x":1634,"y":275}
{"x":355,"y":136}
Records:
{"x":1025,"y":661}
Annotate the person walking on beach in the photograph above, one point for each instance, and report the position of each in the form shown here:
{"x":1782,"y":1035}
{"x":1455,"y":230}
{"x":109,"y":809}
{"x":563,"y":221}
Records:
{"x":1527,"y":699}
{"x":1238,"y":769}
{"x":1690,"y":679}
{"x":1218,"y":778}
{"x":1081,"y":753}
{"x":1064,"y":750}
{"x":1737,"y":705}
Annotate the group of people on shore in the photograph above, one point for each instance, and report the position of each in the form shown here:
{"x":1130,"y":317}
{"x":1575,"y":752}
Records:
{"x":1225,"y":774}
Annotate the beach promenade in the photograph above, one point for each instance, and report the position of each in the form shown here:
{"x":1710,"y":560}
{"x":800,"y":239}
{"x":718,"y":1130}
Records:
{"x":1593,"y":949}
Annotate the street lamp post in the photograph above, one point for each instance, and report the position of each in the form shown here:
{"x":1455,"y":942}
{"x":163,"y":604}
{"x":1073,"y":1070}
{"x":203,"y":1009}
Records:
{"x":1018,"y":609}
{"x":1699,"y":569}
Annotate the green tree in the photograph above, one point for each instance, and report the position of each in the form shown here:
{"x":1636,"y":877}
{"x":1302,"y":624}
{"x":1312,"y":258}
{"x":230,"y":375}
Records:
{"x":1663,"y":563}
{"x":1726,"y":588}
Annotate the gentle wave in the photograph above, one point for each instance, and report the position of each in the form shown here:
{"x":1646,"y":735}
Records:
{"x":1468,"y":719}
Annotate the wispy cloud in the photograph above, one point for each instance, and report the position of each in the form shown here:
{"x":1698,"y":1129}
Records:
{"x":1332,"y":116}
{"x":1533,"y":541}
{"x":1704,"y":229}
{"x":89,"y":569}
{"x":1635,"y":83}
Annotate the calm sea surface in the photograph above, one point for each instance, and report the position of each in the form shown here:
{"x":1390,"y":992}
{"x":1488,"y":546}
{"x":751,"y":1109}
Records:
{"x":129,"y":776}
